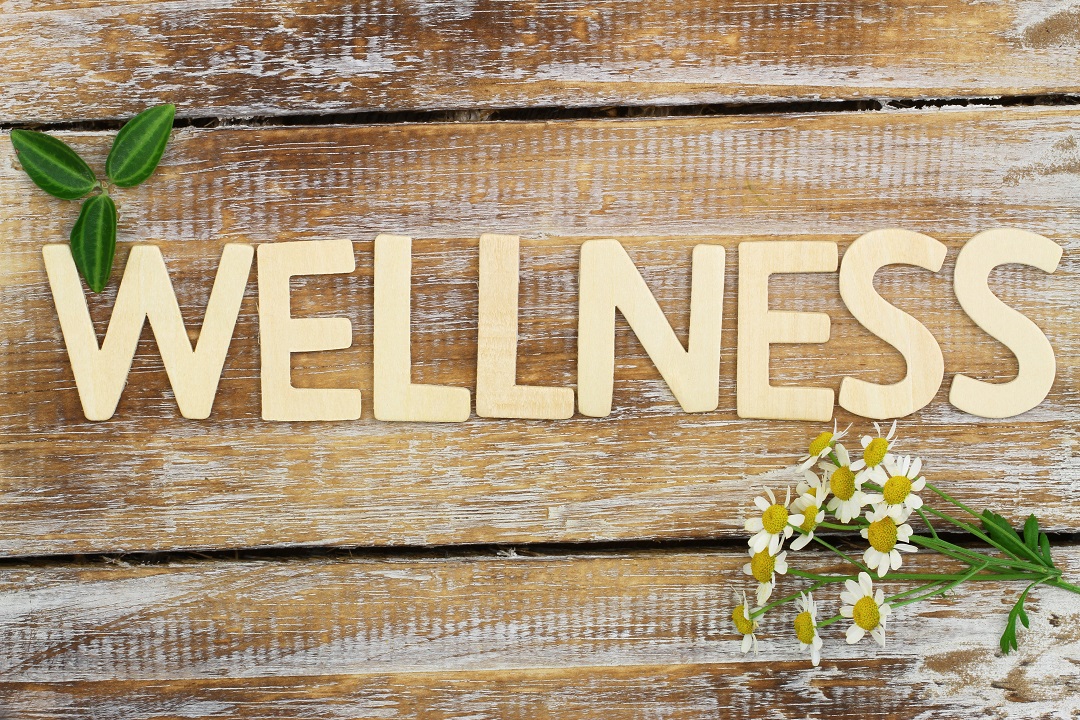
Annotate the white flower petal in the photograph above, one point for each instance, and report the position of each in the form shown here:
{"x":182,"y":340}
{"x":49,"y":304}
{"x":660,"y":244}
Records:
{"x":866,"y":584}
{"x":854,"y":634}
{"x":802,"y":541}
{"x":746,"y":641}
{"x":762,"y":503}
{"x":842,"y":455}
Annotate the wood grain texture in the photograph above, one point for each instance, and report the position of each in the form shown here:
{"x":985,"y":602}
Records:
{"x":149,"y":479}
{"x":599,"y":635}
{"x":73,"y":59}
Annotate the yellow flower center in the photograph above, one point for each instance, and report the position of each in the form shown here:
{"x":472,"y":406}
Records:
{"x":774,"y":519}
{"x":875,"y":452}
{"x":809,"y":519}
{"x":804,"y":627}
{"x":744,"y":625}
{"x":820,"y":443}
{"x":896,"y":489}
{"x":882,"y":534}
{"x":866,"y":614}
{"x":842,"y":482}
{"x":762,"y":566}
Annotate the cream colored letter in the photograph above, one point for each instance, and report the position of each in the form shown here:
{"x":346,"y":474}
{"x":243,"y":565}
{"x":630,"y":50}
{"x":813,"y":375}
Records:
{"x":147,"y":292}
{"x":280,"y":334}
{"x":925,"y":365}
{"x":396,"y":397}
{"x":497,"y":393}
{"x":1034,"y":355}
{"x":610,"y":280}
{"x":760,"y":327}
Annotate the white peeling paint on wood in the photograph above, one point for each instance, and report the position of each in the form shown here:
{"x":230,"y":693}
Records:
{"x":226,"y":58}
{"x":150,"y":480}
{"x":327,"y":632}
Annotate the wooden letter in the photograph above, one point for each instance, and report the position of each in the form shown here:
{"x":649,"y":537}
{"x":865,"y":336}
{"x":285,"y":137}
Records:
{"x":1034,"y":355}
{"x":925,"y":365}
{"x":760,"y":327}
{"x":147,"y":292}
{"x":497,"y":393}
{"x":610,"y":280}
{"x":280,"y":334}
{"x":396,"y":397}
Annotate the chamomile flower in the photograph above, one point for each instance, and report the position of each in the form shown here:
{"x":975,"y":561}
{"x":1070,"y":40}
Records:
{"x":822,"y":446}
{"x":771,"y":529}
{"x":898,"y":492}
{"x":808,"y":510}
{"x":745,"y":625}
{"x":764,"y":567}
{"x":886,"y":540}
{"x":848,"y":497}
{"x":875,"y":452}
{"x":806,"y":627}
{"x":867,"y":609}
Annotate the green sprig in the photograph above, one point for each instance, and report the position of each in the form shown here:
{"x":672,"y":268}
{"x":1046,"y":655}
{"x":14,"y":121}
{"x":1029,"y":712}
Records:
{"x":58,"y":170}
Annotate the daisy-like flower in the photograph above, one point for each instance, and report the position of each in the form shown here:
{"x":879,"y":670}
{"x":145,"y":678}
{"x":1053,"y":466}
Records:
{"x":771,"y":529}
{"x":867,"y":610}
{"x":875,"y":452}
{"x":808,"y":510}
{"x":764,"y":568}
{"x":806,"y":627}
{"x":898,"y":492}
{"x":822,"y":446}
{"x":886,"y":540}
{"x":746,"y":627}
{"x":848,"y":498}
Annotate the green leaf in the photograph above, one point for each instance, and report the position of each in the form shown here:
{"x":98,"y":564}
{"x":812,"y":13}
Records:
{"x":1044,"y":550}
{"x":1031,"y":532}
{"x":1001,"y":532}
{"x":53,"y":165}
{"x":139,"y":145}
{"x":93,"y":241}
{"x":1008,"y":638}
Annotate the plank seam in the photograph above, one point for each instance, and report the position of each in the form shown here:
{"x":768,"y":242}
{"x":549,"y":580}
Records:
{"x":534,"y":114}
{"x":462,"y":551}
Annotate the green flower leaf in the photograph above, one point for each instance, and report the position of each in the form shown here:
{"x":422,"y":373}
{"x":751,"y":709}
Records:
{"x":1031,"y":532}
{"x":138,"y":146}
{"x":1044,"y":550}
{"x":93,"y":241}
{"x":53,"y":165}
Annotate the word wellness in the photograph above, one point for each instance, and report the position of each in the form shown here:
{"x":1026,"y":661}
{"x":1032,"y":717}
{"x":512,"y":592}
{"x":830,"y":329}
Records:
{"x":608,"y":281}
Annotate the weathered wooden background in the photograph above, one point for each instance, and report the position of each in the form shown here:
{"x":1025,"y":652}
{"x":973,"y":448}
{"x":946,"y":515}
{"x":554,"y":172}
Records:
{"x":156,"y":567}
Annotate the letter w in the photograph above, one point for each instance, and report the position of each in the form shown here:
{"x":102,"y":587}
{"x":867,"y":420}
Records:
{"x":147,"y":292}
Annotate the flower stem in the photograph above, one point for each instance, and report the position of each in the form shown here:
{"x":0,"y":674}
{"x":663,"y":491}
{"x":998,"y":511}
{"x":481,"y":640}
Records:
{"x":1059,"y":583}
{"x":842,"y":554}
{"x":819,"y":577}
{"x":971,"y":557}
{"x":835,"y":526}
{"x":941,"y":591}
{"x":787,"y":598}
{"x":979,"y":534}
{"x":926,"y":520}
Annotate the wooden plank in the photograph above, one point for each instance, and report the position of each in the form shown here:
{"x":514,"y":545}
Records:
{"x":600,"y":635}
{"x":230,"y":58}
{"x":149,"y":479}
